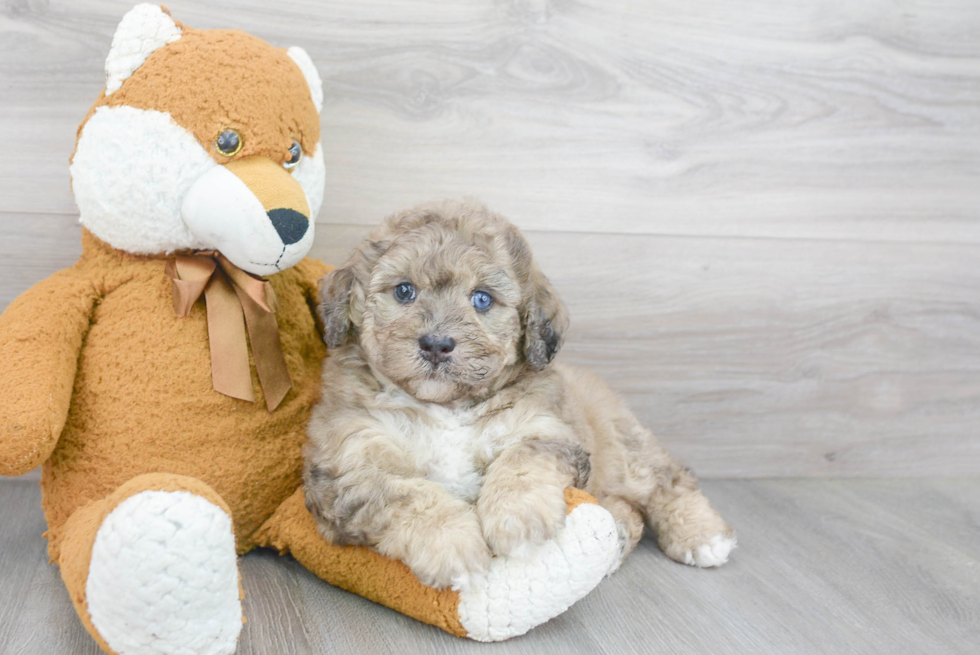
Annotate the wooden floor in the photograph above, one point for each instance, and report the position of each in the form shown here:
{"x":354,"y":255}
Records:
{"x":823,"y":567}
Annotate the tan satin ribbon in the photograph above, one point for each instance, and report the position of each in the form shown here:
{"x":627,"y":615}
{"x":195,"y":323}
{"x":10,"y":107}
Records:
{"x":229,"y":292}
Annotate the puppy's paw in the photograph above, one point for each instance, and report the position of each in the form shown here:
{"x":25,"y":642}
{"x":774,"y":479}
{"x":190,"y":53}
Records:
{"x":515,"y":523}
{"x":691,"y":532}
{"x":712,"y":554}
{"x":450,"y":553}
{"x":704,"y":553}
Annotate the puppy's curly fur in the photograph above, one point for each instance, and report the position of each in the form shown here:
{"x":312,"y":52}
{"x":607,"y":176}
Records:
{"x":444,"y":455}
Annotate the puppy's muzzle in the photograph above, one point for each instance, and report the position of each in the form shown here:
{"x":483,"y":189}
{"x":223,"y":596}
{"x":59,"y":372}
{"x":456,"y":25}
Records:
{"x":435,"y":348}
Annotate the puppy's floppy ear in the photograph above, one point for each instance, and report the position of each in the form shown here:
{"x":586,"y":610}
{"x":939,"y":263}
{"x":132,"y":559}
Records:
{"x":545,"y":322}
{"x":342,"y":292}
{"x":334,"y":308}
{"x":544,"y":315}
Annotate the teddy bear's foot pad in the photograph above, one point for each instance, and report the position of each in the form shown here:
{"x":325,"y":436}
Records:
{"x":163,"y":577}
{"x":519,"y":594}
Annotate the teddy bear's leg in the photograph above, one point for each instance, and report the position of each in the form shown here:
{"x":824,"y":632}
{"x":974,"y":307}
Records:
{"x":152,"y":568}
{"x":515,"y":596}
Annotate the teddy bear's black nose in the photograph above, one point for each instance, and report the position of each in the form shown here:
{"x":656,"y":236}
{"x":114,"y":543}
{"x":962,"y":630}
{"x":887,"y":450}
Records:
{"x":290,"y":224}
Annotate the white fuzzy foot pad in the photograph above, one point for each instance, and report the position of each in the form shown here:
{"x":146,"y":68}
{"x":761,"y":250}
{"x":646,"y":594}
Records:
{"x":163,"y":579}
{"x":517,"y":595}
{"x":713,"y":553}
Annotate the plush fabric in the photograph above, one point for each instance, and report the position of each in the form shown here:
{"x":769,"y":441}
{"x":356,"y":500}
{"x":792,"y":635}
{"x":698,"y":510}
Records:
{"x":143,"y":400}
{"x":142,"y":31}
{"x":506,"y":603}
{"x":41,"y":334}
{"x":89,"y":523}
{"x":293,"y":530}
{"x":251,"y":87}
{"x":130,"y":172}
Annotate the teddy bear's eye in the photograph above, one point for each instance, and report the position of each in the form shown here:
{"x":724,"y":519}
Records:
{"x":228,"y":143}
{"x":295,"y":154}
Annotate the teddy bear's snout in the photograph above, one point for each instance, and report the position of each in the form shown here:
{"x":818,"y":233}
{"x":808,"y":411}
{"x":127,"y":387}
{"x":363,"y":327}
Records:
{"x":253,"y":211}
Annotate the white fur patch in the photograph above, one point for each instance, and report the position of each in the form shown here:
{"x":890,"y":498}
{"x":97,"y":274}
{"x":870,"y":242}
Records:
{"x":447,"y":453}
{"x":224,"y":214}
{"x":306,"y":65}
{"x":447,"y":447}
{"x":143,"y":30}
{"x":519,"y":594}
{"x":311,"y":173}
{"x":130,"y":173}
{"x":713,"y":553}
{"x":163,"y":579}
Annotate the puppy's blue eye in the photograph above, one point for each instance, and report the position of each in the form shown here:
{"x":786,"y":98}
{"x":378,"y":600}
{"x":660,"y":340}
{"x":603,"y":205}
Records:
{"x":405,"y":292}
{"x":481,"y":300}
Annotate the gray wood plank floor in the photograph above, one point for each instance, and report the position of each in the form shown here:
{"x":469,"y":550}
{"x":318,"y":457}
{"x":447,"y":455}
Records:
{"x":823,"y":567}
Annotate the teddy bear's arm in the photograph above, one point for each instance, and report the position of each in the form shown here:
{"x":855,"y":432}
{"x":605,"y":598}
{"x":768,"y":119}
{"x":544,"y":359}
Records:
{"x":41,"y":335}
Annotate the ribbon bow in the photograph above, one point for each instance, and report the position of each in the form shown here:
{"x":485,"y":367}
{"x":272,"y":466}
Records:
{"x":230,"y":292}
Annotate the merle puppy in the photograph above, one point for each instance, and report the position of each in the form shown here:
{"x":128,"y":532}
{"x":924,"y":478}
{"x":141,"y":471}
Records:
{"x":446,"y":435}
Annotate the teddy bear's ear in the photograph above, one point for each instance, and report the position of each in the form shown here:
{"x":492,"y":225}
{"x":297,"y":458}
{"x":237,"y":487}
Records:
{"x":143,"y":30}
{"x":298,"y":55}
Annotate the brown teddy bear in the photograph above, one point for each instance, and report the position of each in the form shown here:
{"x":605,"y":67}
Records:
{"x":165,"y":386}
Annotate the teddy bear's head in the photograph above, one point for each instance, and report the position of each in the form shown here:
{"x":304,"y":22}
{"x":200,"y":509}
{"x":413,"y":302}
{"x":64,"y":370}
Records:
{"x":202,"y":139}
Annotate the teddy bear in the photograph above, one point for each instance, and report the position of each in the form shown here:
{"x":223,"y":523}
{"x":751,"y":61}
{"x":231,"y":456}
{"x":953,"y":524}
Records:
{"x":165,"y":380}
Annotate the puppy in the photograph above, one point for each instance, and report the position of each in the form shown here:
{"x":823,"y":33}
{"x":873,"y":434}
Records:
{"x":446,"y":435}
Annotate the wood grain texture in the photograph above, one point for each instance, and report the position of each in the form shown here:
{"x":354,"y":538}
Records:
{"x":793,"y":119}
{"x":36,"y":614}
{"x":765,"y":217}
{"x":823,"y":566}
{"x":32,"y":247}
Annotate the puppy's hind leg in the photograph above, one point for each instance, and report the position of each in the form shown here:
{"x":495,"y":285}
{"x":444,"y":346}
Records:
{"x":632,"y":474}
{"x":688,"y":529}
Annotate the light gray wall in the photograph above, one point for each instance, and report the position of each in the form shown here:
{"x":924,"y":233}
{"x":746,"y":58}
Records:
{"x":764,"y":215}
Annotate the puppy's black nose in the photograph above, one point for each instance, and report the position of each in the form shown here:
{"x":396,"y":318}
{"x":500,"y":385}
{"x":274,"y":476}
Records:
{"x":435,"y":348}
{"x":290,"y":224}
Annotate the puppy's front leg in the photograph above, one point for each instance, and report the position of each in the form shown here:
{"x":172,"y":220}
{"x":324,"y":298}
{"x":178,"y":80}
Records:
{"x":368,"y":493}
{"x":522,"y":501}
